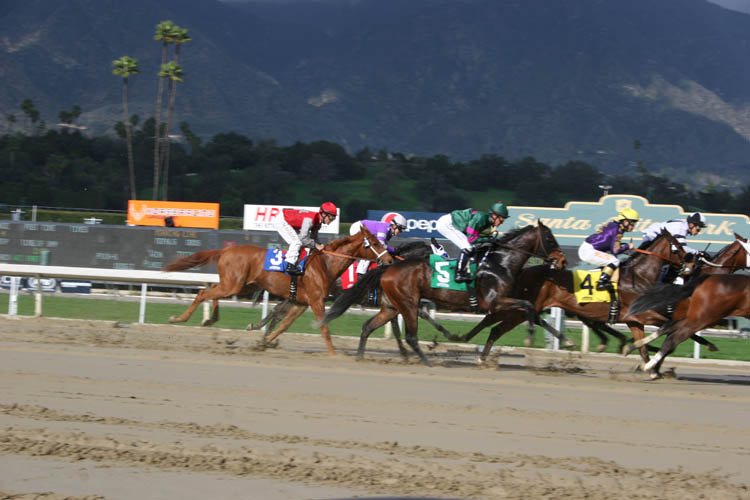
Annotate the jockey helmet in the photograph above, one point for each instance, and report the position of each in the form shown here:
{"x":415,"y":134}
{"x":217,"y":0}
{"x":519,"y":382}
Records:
{"x":628,"y":214}
{"x":328,"y":208}
{"x":399,"y":221}
{"x":697,"y":219}
{"x":500,"y":209}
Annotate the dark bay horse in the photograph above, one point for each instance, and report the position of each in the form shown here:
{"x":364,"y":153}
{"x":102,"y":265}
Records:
{"x":404,"y":284}
{"x":547,"y":288}
{"x":709,"y":299}
{"x":242,"y":265}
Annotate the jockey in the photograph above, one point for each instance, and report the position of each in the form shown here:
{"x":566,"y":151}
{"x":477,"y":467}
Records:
{"x":679,"y":228}
{"x":462,"y":228}
{"x":383,"y":231}
{"x":600,"y":249}
{"x":300,"y":227}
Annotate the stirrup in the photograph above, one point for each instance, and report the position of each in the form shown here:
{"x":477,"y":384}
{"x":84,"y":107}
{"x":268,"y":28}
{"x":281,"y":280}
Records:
{"x":463,"y":277}
{"x":614,"y":312}
{"x":293,"y":269}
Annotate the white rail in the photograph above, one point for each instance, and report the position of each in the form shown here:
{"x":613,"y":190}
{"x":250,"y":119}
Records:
{"x":145,"y":278}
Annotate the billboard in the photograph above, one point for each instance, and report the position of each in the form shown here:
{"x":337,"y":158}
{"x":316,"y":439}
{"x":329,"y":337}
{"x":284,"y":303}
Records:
{"x":578,"y":219}
{"x":263,"y":218}
{"x":173,"y":214}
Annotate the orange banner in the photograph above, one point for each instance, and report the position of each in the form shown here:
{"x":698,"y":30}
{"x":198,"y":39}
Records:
{"x":173,"y":214}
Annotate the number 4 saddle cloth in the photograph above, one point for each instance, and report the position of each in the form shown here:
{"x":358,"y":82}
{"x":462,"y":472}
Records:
{"x":584,"y":286}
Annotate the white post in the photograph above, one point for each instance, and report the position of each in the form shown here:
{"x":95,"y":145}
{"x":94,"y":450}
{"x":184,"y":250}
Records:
{"x":206,"y":305}
{"x":557,"y":322}
{"x":697,"y":348}
{"x":38,"y":297}
{"x":388,"y":333}
{"x":264,"y":309}
{"x":142,"y":312}
{"x":13,"y":299}
{"x":585,"y":339}
{"x":33,"y":213}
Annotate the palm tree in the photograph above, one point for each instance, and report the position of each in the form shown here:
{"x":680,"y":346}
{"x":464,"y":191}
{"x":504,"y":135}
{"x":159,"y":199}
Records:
{"x":173,"y":72}
{"x":124,"y":67}
{"x":179,"y":36}
{"x":163,"y":34}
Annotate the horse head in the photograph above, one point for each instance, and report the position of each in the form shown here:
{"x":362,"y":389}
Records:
{"x":732,"y":257}
{"x":549,"y":250}
{"x":647,"y":263}
{"x":370,"y":247}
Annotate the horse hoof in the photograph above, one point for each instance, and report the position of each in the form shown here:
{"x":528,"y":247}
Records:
{"x":601,"y":348}
{"x":528,"y":342}
{"x":627,"y":349}
{"x":208,"y":322}
{"x":655,"y":375}
{"x":172,"y":319}
{"x":713,"y":348}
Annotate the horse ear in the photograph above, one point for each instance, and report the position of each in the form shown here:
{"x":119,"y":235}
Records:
{"x":738,"y":237}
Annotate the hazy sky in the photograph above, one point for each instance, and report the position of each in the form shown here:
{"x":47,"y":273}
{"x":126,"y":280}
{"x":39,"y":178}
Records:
{"x":740,"y":5}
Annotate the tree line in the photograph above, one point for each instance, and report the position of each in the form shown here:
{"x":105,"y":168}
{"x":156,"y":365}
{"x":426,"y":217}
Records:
{"x":64,"y":167}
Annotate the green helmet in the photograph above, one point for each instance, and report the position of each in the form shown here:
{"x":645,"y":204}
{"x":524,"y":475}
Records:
{"x":500,"y":209}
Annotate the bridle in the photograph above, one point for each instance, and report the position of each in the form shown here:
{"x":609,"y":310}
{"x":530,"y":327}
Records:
{"x":367,"y":244}
{"x":538,"y":244}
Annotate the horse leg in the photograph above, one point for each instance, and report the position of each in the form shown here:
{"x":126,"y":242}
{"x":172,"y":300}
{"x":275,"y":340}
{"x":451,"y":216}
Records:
{"x":412,"y":338}
{"x":564,"y":341}
{"x":710,"y":345}
{"x":214,"y":314}
{"x":319,"y":310}
{"x":498,"y":331}
{"x":279,"y":311}
{"x":381,"y":318}
{"x":214,"y":293}
{"x":638,"y":334}
{"x":294,"y":313}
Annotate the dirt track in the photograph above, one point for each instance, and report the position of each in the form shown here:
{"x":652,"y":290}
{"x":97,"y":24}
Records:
{"x":91,"y":410}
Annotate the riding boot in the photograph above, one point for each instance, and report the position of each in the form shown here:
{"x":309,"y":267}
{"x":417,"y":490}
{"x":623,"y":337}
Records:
{"x":462,"y":274}
{"x":605,"y":280}
{"x":670,"y":311}
{"x":293,"y":269}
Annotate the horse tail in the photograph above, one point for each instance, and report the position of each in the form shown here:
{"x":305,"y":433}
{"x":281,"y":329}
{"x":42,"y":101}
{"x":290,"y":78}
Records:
{"x":354,"y":294}
{"x":662,"y":295}
{"x":195,"y":260}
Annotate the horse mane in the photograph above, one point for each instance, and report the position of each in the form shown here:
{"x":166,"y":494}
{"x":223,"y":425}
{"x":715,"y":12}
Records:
{"x":513,"y":234}
{"x":334,"y":245}
{"x":661,"y":295}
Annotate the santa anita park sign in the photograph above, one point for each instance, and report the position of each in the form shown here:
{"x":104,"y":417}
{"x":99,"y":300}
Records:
{"x":578,"y":219}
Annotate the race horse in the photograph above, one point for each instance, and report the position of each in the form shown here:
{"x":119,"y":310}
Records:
{"x":707,"y":300}
{"x":240,"y":266}
{"x":405,"y":283}
{"x":714,"y":277}
{"x":545,"y":288}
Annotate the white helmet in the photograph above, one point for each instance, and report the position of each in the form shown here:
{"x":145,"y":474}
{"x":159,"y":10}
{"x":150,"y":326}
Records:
{"x":400,"y":221}
{"x":698,"y":219}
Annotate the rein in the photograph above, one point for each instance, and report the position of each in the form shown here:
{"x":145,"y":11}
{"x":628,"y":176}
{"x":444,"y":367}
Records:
{"x":653,"y":253}
{"x":367,"y":244}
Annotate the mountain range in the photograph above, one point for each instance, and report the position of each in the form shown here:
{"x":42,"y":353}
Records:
{"x":664,"y":84}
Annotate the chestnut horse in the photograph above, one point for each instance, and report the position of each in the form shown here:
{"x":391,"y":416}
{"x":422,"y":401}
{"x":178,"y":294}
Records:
{"x":242,"y":265}
{"x":707,"y":300}
{"x":547,"y":288}
{"x":404,"y":284}
{"x":652,"y":305}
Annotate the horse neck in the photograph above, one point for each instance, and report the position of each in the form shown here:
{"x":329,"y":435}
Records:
{"x":334,"y":265}
{"x":648,"y":267}
{"x":514,"y":261}
{"x":729,"y":259}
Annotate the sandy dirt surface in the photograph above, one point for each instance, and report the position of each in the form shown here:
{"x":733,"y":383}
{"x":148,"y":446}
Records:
{"x":92,"y":410}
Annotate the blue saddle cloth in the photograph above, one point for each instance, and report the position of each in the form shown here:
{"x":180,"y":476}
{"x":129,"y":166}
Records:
{"x":275,"y":260}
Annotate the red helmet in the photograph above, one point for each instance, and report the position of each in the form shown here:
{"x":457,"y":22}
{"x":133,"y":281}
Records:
{"x":329,"y":208}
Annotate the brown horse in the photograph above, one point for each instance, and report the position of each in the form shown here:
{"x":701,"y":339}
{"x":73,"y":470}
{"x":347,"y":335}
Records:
{"x":242,"y":265}
{"x":404,"y":284}
{"x":547,"y":288}
{"x":652,"y":305}
{"x":708,"y":299}
{"x":731,"y":258}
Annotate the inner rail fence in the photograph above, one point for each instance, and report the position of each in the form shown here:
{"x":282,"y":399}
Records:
{"x":199,"y":280}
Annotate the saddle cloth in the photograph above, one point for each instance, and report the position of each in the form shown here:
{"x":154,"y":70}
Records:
{"x":584,"y":286}
{"x":275,"y":261}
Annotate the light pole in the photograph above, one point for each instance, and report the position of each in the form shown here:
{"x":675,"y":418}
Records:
{"x":605,"y":188}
